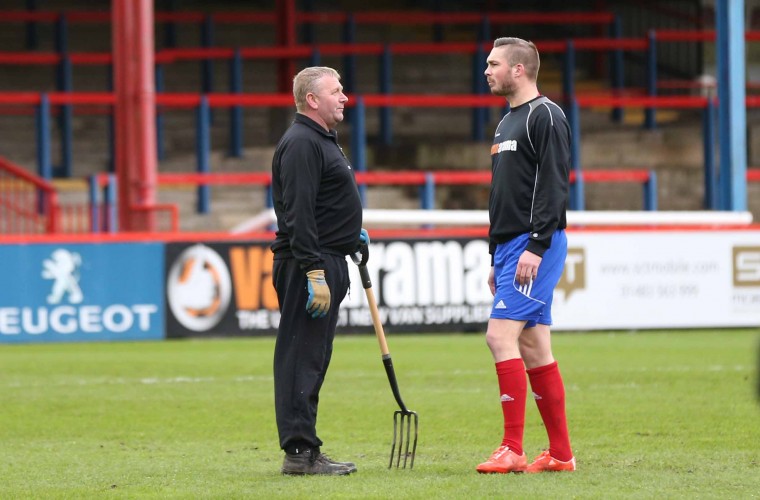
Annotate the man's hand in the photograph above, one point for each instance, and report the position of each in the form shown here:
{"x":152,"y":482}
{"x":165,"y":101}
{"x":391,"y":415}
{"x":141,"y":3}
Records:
{"x":492,"y":282}
{"x":319,"y":294}
{"x":527,"y":267}
{"x":364,"y":237}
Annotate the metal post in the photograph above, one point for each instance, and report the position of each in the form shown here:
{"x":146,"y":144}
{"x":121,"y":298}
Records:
{"x":478,"y":80}
{"x":207,"y":66}
{"x":650,"y":192}
{"x":307,"y":30}
{"x":359,"y":143}
{"x":32,"y":35}
{"x":170,"y":28}
{"x":269,"y":200}
{"x":349,"y":63}
{"x":236,"y":111}
{"x":484,"y":30}
{"x":65,"y":120}
{"x":427,"y":195}
{"x":732,"y":110}
{"x":386,"y":121}
{"x":437,"y":28}
{"x":616,"y":67}
{"x":577,"y":195}
{"x":44,"y":166}
{"x":204,"y":152}
{"x":316,"y":57}
{"x":650,"y":119}
{"x":110,"y":199}
{"x":568,"y":75}
{"x":708,"y":143}
{"x":94,"y":205}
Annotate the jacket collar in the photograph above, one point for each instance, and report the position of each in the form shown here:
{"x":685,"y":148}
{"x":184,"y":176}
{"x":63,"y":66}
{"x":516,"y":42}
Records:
{"x":305,"y":120}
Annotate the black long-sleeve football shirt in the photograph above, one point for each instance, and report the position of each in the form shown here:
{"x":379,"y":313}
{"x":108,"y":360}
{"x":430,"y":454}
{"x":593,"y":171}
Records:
{"x":530,"y":160}
{"x":315,"y":196}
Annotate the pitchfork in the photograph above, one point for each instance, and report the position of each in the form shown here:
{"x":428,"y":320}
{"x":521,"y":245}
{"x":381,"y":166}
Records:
{"x":403,"y":418}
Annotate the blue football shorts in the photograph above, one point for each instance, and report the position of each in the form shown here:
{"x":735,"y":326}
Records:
{"x":532,"y":302}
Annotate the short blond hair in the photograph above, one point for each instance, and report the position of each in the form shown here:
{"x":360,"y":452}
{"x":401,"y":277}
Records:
{"x":523,"y":52}
{"x":305,"y":82}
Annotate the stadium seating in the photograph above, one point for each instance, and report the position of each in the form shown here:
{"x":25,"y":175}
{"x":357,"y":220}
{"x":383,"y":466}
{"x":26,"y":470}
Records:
{"x":380,"y":70}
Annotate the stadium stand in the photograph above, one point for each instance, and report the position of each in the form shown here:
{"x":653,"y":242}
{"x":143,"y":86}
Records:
{"x":393,"y":68}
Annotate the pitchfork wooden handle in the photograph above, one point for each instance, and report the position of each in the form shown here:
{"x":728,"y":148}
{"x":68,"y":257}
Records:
{"x":380,"y":334}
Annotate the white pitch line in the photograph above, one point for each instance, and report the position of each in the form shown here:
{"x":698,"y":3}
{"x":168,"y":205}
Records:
{"x":143,"y":381}
{"x":354,"y":375}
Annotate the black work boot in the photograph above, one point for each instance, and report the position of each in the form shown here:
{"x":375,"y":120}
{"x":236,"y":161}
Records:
{"x":327,"y":459}
{"x":310,"y":461}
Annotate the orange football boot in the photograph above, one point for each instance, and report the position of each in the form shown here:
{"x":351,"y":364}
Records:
{"x":502,"y":461}
{"x":546,"y":463}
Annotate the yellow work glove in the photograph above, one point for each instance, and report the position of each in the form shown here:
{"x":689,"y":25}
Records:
{"x":319,"y":294}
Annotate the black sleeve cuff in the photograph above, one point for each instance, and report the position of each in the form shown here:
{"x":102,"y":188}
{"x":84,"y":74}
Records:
{"x":537,"y":247}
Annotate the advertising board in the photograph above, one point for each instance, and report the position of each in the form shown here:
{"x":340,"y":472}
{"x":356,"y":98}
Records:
{"x":659,"y":279}
{"x":81,"y":292}
{"x":627,"y":279}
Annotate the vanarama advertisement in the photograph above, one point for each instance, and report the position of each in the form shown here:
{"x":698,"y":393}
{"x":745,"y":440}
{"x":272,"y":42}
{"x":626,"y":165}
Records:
{"x":420,"y":285}
{"x":81,"y":292}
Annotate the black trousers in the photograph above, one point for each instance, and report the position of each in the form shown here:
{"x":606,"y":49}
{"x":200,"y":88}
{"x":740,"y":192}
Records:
{"x":303,"y":349}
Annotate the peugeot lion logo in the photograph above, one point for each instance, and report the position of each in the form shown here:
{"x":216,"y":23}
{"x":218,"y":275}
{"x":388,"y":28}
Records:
{"x":63,"y":268}
{"x":199,"y":288}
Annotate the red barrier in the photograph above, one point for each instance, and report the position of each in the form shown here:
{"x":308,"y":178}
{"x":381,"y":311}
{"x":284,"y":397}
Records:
{"x":684,"y":35}
{"x":381,"y":17}
{"x":697,"y":36}
{"x":462,"y":178}
{"x":753,"y":174}
{"x":29,"y":58}
{"x":78,"y":216}
{"x":276,"y":52}
{"x":227,"y":178}
{"x":612,"y":176}
{"x":606,"y":44}
{"x":643,"y":101}
{"x":26,"y":16}
{"x":386,"y":178}
{"x":194,"y":54}
{"x":189,"y":100}
{"x":404,"y":178}
{"x":27,"y":203}
{"x":91,"y":58}
{"x":167,"y":56}
{"x":165,"y":217}
{"x":427,"y":100}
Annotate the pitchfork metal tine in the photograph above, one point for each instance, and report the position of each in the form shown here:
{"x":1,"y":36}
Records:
{"x":402,"y":423}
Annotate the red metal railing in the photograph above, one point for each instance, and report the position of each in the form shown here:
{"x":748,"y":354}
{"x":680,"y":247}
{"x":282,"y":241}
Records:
{"x":76,"y":218}
{"x":380,"y":17}
{"x":28,"y":204}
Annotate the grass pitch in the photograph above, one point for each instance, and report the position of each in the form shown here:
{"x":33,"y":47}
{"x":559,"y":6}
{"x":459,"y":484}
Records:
{"x":652,"y":415}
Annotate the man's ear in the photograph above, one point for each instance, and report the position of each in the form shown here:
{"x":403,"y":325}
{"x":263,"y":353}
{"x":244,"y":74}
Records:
{"x":311,"y":100}
{"x":518,"y":69}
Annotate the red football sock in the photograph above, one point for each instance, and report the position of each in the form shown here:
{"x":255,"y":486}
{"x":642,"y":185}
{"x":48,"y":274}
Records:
{"x":513,"y":387}
{"x":549,"y":392}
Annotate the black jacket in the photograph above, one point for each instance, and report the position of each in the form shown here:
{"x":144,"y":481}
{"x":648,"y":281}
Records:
{"x":315,"y":196}
{"x":530,"y":160}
